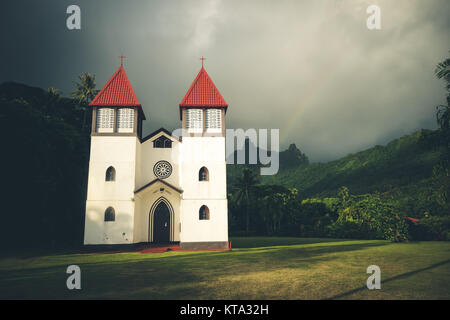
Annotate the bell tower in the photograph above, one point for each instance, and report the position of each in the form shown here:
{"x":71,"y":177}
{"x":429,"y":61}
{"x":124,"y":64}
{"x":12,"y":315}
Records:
{"x":202,"y":110}
{"x":116,"y":109}
{"x":204,"y":212}
{"x":113,"y":165}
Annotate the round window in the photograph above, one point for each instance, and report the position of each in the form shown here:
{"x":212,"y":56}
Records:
{"x":162,"y":169}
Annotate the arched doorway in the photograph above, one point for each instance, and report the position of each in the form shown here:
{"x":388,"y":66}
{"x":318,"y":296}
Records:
{"x":161,"y":223}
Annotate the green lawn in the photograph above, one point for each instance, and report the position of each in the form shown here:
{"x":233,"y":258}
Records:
{"x":256,"y":268}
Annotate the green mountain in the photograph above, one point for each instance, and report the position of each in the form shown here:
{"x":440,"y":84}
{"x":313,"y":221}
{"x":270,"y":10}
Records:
{"x":400,"y":170}
{"x":401,"y":162}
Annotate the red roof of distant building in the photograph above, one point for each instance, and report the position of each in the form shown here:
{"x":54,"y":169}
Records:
{"x":413,"y":219}
{"x":117,"y":92}
{"x":203,"y":93}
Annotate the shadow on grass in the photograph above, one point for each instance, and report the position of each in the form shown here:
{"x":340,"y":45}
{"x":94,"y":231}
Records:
{"x":238,"y":243}
{"x":400,"y":276}
{"x":218,"y":258}
{"x":255,"y":242}
{"x":166,"y":276}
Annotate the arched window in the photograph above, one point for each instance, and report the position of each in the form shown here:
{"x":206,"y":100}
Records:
{"x":158,"y":143}
{"x":110,"y":214}
{"x":162,"y":142}
{"x":203,"y":174}
{"x":110,"y":174}
{"x":203,"y":213}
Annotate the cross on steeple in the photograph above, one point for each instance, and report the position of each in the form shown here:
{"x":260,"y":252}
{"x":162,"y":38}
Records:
{"x":121,"y":60}
{"x":202,"y":60}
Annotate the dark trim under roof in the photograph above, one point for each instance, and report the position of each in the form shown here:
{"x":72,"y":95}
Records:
{"x":163,"y":182}
{"x":154,"y":133}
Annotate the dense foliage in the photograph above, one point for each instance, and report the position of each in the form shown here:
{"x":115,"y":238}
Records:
{"x":280,"y":211}
{"x":45,"y":163}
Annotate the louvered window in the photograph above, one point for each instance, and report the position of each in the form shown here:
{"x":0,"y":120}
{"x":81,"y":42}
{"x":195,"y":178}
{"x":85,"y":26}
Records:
{"x":214,"y":120}
{"x":125,"y":119}
{"x":105,"y":120}
{"x":194,"y":120}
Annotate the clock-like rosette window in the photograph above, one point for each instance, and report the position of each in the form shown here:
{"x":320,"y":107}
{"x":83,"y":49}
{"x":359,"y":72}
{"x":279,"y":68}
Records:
{"x":162,"y":169}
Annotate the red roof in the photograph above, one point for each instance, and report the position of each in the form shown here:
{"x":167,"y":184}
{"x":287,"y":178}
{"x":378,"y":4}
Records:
{"x":203,"y":93}
{"x":413,"y":219}
{"x":117,"y":92}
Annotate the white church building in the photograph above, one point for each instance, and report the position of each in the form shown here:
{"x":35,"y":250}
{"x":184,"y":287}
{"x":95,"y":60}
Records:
{"x":160,"y":188}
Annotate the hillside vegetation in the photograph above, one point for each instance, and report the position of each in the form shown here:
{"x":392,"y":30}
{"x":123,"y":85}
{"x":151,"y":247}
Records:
{"x":402,"y":162}
{"x":401,"y":170}
{"x":367,"y":195}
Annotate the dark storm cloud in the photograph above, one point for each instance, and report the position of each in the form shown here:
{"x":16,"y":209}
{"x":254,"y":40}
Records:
{"x":310,"y":68}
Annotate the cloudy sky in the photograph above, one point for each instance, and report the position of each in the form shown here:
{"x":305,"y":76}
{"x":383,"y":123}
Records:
{"x":308,"y":67}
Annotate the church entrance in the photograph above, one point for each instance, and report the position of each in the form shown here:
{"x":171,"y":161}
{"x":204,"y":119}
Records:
{"x":161,"y":226}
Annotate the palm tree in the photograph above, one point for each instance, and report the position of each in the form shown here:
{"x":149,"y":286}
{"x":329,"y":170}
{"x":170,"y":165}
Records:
{"x":53,"y":99}
{"x":441,"y":176}
{"x":442,"y":71}
{"x":53,"y":93}
{"x":85,"y":92}
{"x":245,"y":185}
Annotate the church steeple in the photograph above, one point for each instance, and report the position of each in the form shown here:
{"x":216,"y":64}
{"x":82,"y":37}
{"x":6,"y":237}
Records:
{"x":116,"y":109}
{"x":203,"y":108}
{"x":203,"y":93}
{"x":117,"y":91}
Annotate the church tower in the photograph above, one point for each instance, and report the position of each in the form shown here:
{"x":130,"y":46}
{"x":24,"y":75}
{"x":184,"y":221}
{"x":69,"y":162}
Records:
{"x":116,"y":131}
{"x":204,"y":212}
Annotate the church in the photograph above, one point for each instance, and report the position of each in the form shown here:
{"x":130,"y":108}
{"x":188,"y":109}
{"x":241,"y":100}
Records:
{"x":160,"y":188}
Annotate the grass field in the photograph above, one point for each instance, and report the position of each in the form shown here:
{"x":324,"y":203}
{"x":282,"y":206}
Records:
{"x":256,"y":268}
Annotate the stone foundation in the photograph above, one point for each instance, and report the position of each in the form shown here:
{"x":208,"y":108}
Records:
{"x":204,"y":245}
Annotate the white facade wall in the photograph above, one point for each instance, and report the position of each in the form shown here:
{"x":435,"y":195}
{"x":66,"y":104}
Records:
{"x":213,"y":230}
{"x":119,"y":152}
{"x":198,"y":152}
{"x":149,"y":156}
{"x":99,"y":231}
{"x":144,"y":200}
{"x":133,"y":162}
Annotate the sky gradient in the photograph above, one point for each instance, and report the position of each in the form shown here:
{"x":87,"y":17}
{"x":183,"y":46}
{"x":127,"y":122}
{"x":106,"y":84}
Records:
{"x":310,"y":68}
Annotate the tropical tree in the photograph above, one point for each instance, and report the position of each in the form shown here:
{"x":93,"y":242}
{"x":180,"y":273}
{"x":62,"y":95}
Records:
{"x":84,"y":92}
{"x":441,"y":176}
{"x":442,"y":71}
{"x":53,"y":93}
{"x":245,"y":186}
{"x":273,"y":205}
